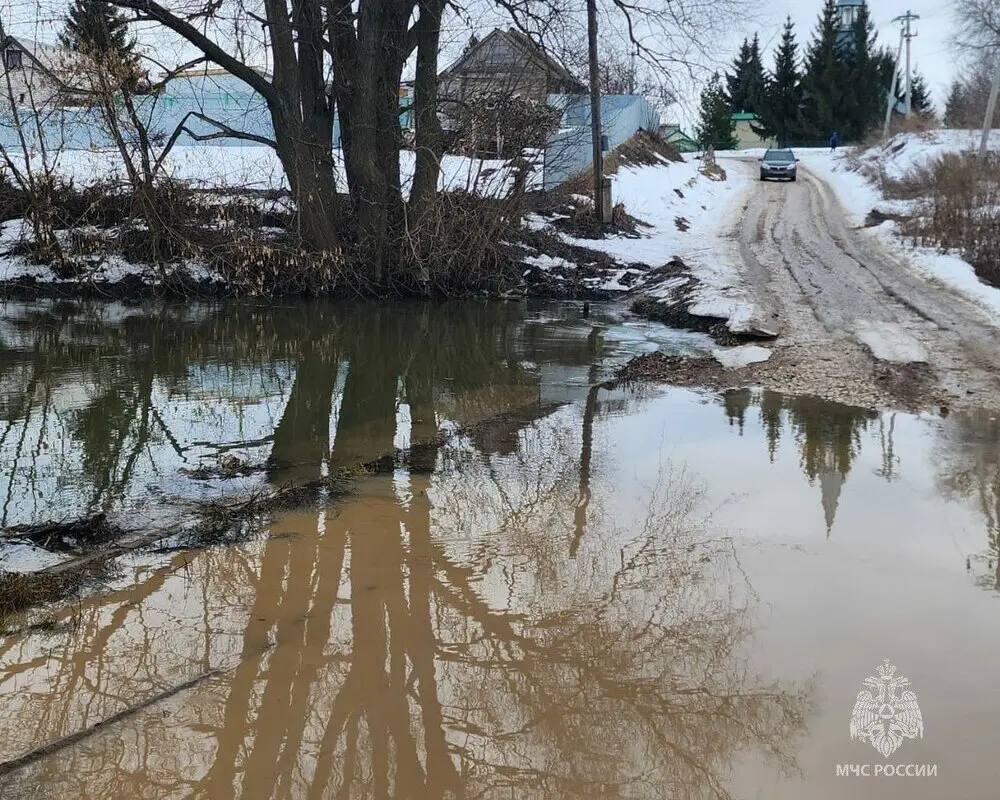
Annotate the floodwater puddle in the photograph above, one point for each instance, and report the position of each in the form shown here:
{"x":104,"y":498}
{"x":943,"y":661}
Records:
{"x":577,"y":593}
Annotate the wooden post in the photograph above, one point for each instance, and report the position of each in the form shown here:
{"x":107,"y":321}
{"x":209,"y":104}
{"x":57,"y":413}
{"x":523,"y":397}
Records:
{"x":595,"y":109}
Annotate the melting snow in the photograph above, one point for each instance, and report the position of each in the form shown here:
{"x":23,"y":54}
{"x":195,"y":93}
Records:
{"x":888,"y":342}
{"x":736,"y":357}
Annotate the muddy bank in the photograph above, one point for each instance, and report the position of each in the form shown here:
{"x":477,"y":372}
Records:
{"x":905,"y":387}
{"x":668,"y":294}
{"x":554,"y":270}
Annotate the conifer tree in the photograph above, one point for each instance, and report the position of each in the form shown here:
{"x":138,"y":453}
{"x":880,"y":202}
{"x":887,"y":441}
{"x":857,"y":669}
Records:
{"x":826,"y":79}
{"x":864,"y":107}
{"x":781,"y":110}
{"x":715,"y":125}
{"x":746,"y":85}
{"x":96,"y":28}
{"x":921,"y":99}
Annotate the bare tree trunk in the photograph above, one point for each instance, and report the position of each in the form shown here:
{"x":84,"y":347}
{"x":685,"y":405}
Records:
{"x":429,"y":143}
{"x":310,"y":167}
{"x":373,"y":156}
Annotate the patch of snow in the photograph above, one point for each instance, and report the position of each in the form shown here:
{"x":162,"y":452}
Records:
{"x":889,"y":342}
{"x":258,"y":167}
{"x":14,"y":268}
{"x":737,"y":357}
{"x":21,"y":556}
{"x":535,"y":222}
{"x":545,"y":262}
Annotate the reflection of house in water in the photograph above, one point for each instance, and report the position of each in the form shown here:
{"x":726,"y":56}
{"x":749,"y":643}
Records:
{"x":827,"y":434}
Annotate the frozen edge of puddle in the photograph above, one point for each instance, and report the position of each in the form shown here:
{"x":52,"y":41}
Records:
{"x":736,"y":357}
{"x":889,"y":342}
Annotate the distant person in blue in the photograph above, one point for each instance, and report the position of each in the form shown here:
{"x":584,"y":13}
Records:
{"x":834,"y":141}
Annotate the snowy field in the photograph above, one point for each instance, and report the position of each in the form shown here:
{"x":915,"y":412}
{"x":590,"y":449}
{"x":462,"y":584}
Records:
{"x":859,"y":196}
{"x":258,"y":168}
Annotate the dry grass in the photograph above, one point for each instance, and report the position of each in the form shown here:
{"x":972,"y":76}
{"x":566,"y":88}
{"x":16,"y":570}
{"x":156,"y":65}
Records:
{"x":20,"y":591}
{"x":23,"y":591}
{"x":956,"y":208}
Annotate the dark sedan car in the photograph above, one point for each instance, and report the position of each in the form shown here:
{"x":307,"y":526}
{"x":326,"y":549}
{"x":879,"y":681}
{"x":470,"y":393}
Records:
{"x":778,"y":164}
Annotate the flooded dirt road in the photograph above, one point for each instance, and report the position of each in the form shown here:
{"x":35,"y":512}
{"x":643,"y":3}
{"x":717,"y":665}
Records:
{"x":666,"y":593}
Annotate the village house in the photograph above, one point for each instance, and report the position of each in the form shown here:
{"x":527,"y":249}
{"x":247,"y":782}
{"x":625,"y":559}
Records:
{"x":507,"y":61}
{"x":38,"y":74}
{"x":672,"y":134}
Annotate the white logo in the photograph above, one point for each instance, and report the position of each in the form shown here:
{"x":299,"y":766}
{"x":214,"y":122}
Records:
{"x":886,"y":715}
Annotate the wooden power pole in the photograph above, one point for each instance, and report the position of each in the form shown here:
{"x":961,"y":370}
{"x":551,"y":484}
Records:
{"x":595,"y":110}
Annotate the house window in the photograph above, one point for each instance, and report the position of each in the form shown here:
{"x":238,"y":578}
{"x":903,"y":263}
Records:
{"x":12,"y":59}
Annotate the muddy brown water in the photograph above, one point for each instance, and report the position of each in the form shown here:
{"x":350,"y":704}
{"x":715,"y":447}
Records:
{"x":666,"y":593}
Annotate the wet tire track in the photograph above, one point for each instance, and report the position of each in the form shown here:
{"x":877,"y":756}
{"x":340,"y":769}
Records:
{"x":834,"y":290}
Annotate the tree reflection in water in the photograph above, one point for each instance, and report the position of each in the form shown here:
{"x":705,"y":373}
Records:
{"x":967,"y":452}
{"x":432,"y":639}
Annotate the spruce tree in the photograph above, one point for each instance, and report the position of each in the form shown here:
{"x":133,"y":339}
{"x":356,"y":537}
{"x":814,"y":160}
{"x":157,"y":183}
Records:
{"x":745,"y":86}
{"x":864,"y":107}
{"x":715,"y":126}
{"x":96,"y":28}
{"x":826,"y":80}
{"x":921,"y":99}
{"x":736,"y":85}
{"x":781,"y":110}
{"x":757,"y":80}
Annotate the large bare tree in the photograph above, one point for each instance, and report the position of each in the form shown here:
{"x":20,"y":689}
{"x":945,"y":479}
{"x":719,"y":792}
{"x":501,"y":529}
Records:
{"x":977,"y":25}
{"x":349,"y":55}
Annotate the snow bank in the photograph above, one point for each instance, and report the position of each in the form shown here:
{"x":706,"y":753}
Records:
{"x":905,"y":151}
{"x":686,"y":211}
{"x":859,"y":196}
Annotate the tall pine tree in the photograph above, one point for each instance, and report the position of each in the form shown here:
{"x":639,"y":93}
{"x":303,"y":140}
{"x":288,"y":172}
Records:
{"x":781,"y":110}
{"x":746,"y":85}
{"x":826,"y":80}
{"x":715,"y":126}
{"x":95,"y":28}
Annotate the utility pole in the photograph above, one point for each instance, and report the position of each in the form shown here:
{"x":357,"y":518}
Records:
{"x":891,"y":104}
{"x":595,"y":110}
{"x":991,"y":108}
{"x":908,"y":34}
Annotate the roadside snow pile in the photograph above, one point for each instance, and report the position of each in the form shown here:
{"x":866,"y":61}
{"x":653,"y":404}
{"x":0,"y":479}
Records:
{"x":908,"y":167}
{"x":679,"y":253}
{"x":906,"y":151}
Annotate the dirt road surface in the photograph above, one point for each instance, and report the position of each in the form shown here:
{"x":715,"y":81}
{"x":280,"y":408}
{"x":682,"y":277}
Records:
{"x":855,"y":322}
